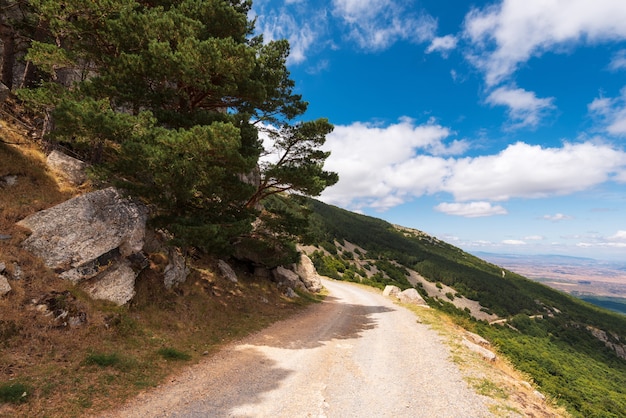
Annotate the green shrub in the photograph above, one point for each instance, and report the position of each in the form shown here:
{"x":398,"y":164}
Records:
{"x":14,"y":392}
{"x":103,"y":360}
{"x":169,"y":353}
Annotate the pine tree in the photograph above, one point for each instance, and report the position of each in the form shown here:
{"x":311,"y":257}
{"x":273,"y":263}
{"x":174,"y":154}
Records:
{"x":165,"y":98}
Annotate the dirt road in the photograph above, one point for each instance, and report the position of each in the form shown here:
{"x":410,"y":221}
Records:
{"x":355,"y":355}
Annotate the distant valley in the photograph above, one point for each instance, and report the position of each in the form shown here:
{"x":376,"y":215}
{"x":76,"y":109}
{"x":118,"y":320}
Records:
{"x":600,"y":282}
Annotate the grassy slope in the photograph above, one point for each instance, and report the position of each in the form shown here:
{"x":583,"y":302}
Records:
{"x":556,"y":348}
{"x":66,"y":371}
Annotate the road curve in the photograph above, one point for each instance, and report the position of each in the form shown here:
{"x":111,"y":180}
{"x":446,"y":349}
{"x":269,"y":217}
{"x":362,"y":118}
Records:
{"x":354,"y":355}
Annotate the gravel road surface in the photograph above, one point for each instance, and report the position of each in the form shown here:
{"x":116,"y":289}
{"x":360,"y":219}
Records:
{"x":354,"y":355}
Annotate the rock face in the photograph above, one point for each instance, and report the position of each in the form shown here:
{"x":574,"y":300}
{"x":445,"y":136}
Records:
{"x":71,"y":168}
{"x":88,"y":235}
{"x":308,"y":274}
{"x":4,"y":92}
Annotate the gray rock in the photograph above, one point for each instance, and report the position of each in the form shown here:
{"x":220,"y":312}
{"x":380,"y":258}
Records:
{"x":290,"y":293}
{"x":176,"y":271}
{"x":411,"y":296}
{"x":227,"y":271}
{"x":4,"y":92}
{"x":391,"y":290}
{"x":116,"y":284}
{"x":486,"y":354}
{"x":5,"y":236}
{"x":71,"y":168}
{"x":5,"y":287}
{"x":308,"y":274}
{"x":77,"y":232}
{"x":3,"y":267}
{"x":287,"y":277}
{"x":8,"y":180}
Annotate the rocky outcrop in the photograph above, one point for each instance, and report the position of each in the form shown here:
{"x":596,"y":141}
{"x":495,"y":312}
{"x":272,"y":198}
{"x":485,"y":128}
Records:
{"x":611,"y":341}
{"x":69,"y":167}
{"x":85,"y":236}
{"x":227,"y":271}
{"x":308,"y":274}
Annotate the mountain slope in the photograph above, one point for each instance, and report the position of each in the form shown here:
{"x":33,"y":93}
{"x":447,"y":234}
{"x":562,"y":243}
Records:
{"x":572,"y":349}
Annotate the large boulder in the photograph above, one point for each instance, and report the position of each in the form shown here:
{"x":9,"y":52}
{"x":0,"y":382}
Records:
{"x":71,"y":168}
{"x":411,"y":296}
{"x":227,"y":271}
{"x":79,"y":231}
{"x":391,"y":290}
{"x":308,"y":274}
{"x":287,"y":277}
{"x":94,"y":236}
{"x":116,"y":284}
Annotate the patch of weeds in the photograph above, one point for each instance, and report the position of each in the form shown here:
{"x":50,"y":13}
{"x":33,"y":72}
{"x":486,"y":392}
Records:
{"x":14,"y":392}
{"x":169,"y":353}
{"x":103,"y":360}
{"x":488,"y":388}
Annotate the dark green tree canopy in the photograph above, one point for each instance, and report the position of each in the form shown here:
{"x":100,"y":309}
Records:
{"x":166,"y":97}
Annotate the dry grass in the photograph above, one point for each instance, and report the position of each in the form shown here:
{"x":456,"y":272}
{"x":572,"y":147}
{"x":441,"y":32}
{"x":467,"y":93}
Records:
{"x":510,"y":392}
{"x":76,"y":371}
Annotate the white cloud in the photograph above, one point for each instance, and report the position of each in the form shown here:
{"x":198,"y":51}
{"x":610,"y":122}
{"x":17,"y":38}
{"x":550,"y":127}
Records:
{"x":557,"y":217}
{"x":611,"y":112}
{"x":535,"y":238}
{"x":384,"y":166}
{"x":377,"y":24}
{"x":618,"y":236}
{"x":510,"y":32}
{"x":287,"y":23}
{"x":531,"y":171}
{"x":525,"y":109}
{"x":471,"y":210}
{"x":619,"y":61}
{"x":442,"y":44}
{"x":515,"y":242}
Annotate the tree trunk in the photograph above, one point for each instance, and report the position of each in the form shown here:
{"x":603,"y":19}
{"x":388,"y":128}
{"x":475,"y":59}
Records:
{"x":7,"y":35}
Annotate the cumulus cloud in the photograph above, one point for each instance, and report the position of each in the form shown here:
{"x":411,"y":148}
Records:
{"x":376,"y":24}
{"x":618,"y":236}
{"x":557,"y":217}
{"x":515,"y":242}
{"x":384,"y":166}
{"x":509,"y":33}
{"x":619,"y":61}
{"x":442,"y":44}
{"x":525,"y":108}
{"x":611,"y":113}
{"x":471,"y":210}
{"x":532,"y":171}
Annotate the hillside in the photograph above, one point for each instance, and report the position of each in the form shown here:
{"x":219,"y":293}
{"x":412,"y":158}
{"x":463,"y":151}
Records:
{"x":573,"y":350}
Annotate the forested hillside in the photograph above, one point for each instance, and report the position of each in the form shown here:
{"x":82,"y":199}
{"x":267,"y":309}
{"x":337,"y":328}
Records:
{"x":569,"y":347}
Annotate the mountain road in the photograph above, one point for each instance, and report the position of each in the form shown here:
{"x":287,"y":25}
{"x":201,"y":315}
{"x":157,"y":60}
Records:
{"x":357,"y":354}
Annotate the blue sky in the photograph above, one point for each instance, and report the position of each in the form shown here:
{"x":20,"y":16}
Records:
{"x":495,"y":126}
